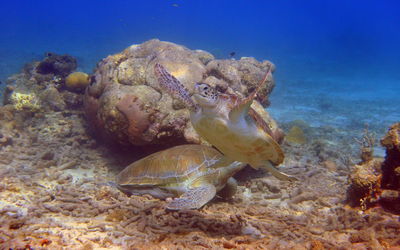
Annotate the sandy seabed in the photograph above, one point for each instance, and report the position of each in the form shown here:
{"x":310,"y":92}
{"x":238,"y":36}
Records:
{"x":54,"y":195}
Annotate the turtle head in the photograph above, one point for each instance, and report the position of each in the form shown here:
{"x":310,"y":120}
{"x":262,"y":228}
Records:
{"x":205,"y":95}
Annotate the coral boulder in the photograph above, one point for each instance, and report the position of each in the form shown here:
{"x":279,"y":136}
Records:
{"x":124,"y":102}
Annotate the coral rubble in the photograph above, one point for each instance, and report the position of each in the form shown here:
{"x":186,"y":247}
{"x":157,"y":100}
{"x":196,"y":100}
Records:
{"x":54,"y":191}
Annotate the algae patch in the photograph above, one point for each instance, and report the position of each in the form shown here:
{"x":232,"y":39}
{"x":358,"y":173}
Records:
{"x":296,"y":135}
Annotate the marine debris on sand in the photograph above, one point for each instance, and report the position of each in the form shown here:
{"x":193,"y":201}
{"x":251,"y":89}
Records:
{"x":54,"y":176}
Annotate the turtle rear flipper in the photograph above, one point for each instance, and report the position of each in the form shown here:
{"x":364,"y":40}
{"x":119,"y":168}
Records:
{"x":229,"y":190}
{"x":194,"y":198}
{"x":278,"y":174}
{"x":172,"y":85}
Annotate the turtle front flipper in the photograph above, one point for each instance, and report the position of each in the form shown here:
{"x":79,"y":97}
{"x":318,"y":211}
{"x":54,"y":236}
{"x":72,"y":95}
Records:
{"x":194,"y":198}
{"x":278,"y":174}
{"x":172,"y":85}
{"x":243,"y":106}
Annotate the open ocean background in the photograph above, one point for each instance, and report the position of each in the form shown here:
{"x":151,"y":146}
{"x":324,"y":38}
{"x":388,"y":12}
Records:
{"x":338,"y":62}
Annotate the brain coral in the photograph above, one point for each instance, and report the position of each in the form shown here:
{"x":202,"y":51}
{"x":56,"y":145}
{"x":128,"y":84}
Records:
{"x":125,"y":103}
{"x":77,"y":81}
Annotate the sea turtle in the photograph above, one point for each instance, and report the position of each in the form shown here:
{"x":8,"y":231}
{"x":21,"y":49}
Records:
{"x":193,"y":172}
{"x":228,"y":122}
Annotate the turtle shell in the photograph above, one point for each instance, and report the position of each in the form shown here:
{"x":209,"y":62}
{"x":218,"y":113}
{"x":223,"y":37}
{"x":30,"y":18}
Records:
{"x":173,"y":165}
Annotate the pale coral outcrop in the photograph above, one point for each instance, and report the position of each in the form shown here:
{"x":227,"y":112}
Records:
{"x":125,"y":103}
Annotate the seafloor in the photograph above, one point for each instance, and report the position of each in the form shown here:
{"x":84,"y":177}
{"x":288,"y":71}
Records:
{"x":54,"y":194}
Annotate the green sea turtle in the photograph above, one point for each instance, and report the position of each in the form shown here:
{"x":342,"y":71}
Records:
{"x":193,"y":172}
{"x":228,"y":122}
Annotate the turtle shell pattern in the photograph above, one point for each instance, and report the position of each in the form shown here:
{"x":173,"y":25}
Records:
{"x":171,"y":166}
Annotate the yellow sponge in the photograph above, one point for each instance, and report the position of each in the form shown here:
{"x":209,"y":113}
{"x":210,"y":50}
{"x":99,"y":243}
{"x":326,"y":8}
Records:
{"x":27,"y":102}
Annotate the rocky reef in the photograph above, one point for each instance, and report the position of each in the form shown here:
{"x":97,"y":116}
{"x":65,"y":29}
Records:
{"x":55,"y":64}
{"x":124,"y":102}
{"x":391,"y":165}
{"x":43,"y":86}
{"x":54,"y":176}
{"x":374,"y":181}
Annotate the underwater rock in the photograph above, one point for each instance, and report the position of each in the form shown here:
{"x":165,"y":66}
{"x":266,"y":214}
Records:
{"x":376,"y":181}
{"x":391,"y":166}
{"x":34,"y":90}
{"x":365,"y":184}
{"x":242,"y":76}
{"x":390,"y":197}
{"x":7,"y":125}
{"x":366,"y":175}
{"x":57,"y":64}
{"x":5,"y":140}
{"x":52,"y":97}
{"x":124,"y":102}
{"x":72,"y":100}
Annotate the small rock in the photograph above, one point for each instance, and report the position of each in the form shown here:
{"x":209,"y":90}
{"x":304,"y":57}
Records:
{"x":53,"y":98}
{"x":397,"y":171}
{"x":5,"y":140}
{"x":47,"y":156}
{"x":330,"y":165}
{"x":272,"y":187}
{"x":390,"y":195}
{"x":317,"y":230}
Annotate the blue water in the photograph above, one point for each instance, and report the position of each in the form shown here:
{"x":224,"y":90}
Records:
{"x":339,"y":51}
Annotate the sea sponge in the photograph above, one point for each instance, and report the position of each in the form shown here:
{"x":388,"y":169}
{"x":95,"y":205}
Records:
{"x":296,"y":135}
{"x":77,"y":81}
{"x":27,"y":102}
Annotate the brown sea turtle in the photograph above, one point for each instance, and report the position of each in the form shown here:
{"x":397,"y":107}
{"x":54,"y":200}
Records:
{"x":193,"y":172}
{"x":228,"y":122}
